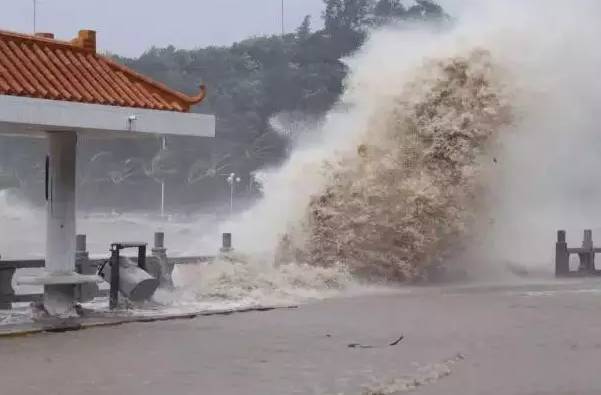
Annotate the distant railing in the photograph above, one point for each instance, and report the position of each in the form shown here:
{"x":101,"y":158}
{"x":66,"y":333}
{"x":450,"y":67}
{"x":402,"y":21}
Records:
{"x":158,"y":265}
{"x":586,"y":255}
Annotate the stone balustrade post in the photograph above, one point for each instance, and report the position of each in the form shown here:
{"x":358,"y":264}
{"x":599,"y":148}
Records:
{"x":164,"y":270}
{"x":84,"y":292}
{"x":6,"y":287}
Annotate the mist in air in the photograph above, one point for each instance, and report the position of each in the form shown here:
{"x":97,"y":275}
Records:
{"x":505,"y":95}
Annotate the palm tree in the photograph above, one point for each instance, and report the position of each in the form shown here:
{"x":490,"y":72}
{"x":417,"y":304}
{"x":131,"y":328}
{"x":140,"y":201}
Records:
{"x":101,"y":168}
{"x":204,"y":169}
{"x":104,"y":168}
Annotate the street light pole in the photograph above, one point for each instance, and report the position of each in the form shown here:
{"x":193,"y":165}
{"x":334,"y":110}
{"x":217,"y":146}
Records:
{"x":232,"y":180}
{"x":283,"y":30}
{"x":35,"y":11}
{"x":163,"y":147}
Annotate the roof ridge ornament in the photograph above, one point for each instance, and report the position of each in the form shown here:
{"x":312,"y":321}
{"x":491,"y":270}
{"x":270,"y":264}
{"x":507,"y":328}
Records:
{"x":86,"y":39}
{"x":200,"y":97}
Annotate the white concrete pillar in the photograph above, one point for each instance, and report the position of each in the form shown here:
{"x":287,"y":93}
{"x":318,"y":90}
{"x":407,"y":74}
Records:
{"x":60,"y":219}
{"x":60,"y":278}
{"x":60,"y":215}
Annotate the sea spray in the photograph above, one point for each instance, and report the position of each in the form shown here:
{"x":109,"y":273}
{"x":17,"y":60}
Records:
{"x":395,"y":181}
{"x":412,"y":192}
{"x":236,"y":280}
{"x":385,"y":201}
{"x":374,"y":190}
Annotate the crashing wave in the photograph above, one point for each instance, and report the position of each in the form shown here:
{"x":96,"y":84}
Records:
{"x":412,"y":191}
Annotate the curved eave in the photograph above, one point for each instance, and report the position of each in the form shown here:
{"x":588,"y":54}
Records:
{"x":185,"y":100}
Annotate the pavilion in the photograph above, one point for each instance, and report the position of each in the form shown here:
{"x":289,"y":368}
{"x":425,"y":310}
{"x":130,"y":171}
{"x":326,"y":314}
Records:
{"x":61,"y":90}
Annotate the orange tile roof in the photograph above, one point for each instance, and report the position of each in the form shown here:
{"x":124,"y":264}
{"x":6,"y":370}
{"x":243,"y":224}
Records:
{"x":41,"y":67}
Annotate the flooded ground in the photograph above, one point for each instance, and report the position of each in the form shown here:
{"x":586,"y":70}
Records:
{"x":526,"y":339}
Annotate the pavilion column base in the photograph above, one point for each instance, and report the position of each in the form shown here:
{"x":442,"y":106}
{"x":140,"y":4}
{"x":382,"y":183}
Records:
{"x":59,"y":300}
{"x":59,"y":290}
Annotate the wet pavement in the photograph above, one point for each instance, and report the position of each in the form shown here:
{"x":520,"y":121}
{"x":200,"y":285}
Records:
{"x":531,"y":339}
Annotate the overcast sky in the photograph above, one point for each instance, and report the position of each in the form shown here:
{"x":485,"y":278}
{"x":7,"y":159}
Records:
{"x":129,"y":27}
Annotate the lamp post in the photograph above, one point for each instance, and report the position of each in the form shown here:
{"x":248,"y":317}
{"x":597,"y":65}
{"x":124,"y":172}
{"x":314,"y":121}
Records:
{"x":163,"y":147}
{"x":232,"y":180}
{"x":283,"y":30}
{"x":35,"y":15}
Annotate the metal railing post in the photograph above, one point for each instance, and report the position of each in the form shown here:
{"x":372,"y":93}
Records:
{"x":114,"y":292}
{"x":142,"y":257}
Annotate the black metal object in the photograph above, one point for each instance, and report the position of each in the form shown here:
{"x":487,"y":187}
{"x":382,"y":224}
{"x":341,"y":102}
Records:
{"x":114,"y":290}
{"x":47,"y":178}
{"x":142,"y":257}
{"x":114,"y":262}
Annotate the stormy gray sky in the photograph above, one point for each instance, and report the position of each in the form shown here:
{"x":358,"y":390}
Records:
{"x":129,"y":27}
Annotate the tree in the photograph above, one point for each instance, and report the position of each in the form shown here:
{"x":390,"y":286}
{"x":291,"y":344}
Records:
{"x":346,"y":14}
{"x":427,"y":10}
{"x":389,"y":9}
{"x":356,"y":13}
{"x":304,"y":30}
{"x":332,"y":14}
